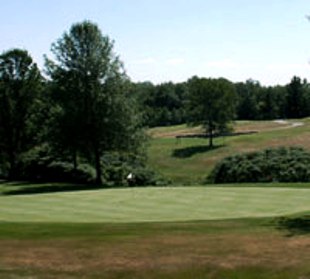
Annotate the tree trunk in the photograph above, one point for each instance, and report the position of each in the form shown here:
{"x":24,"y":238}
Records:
{"x":12,"y":171}
{"x":74,"y":160}
{"x":98,"y":167}
{"x":210,"y":139}
{"x":210,"y":135}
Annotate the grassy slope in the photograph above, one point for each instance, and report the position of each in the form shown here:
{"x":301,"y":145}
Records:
{"x":188,"y":161}
{"x":155,"y":204}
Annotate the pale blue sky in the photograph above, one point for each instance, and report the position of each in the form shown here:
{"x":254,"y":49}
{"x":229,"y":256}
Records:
{"x":162,"y":40}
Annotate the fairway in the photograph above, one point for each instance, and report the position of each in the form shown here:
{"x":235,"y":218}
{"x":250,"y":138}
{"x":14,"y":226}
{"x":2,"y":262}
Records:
{"x":167,"y":204}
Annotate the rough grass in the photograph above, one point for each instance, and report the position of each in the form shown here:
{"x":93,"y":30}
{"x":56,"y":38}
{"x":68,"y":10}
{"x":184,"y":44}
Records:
{"x":242,"y":248}
{"x":199,"y":159}
{"x":156,"y":204}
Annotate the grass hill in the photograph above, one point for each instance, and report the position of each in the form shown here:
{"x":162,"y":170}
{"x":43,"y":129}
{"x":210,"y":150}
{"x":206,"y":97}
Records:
{"x":187,"y":159}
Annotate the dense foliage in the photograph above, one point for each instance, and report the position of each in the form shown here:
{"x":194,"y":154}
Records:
{"x":20,"y":82}
{"x":163,"y":104}
{"x":166,"y":104}
{"x":91,"y":91}
{"x":271,"y":165}
{"x":61,"y":128}
{"x":41,"y":164}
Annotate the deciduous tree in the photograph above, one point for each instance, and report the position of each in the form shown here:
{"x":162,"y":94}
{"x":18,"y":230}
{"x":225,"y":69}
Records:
{"x":212,"y":103}
{"x":20,"y":82}
{"x":95,"y":113}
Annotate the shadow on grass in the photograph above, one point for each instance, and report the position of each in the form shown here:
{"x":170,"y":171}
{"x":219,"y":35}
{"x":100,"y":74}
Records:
{"x":295,"y":225}
{"x":9,"y":184}
{"x":192,"y":150}
{"x":49,"y":188}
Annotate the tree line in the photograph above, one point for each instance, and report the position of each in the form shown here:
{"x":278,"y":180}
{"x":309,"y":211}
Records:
{"x":82,"y":119}
{"x":167,"y":103}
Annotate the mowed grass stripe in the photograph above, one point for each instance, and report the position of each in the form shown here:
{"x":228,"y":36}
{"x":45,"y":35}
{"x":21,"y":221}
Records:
{"x":155,"y":204}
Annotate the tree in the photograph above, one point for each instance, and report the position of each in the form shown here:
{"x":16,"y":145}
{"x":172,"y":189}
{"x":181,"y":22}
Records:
{"x":20,"y":82}
{"x":163,"y":104}
{"x":268,"y":105}
{"x":212,"y":103}
{"x":295,"y":98}
{"x":94,"y":112}
{"x":280,"y":94}
{"x":248,"y":94}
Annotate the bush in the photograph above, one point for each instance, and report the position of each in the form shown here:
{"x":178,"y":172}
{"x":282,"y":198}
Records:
{"x":291,"y":164}
{"x":295,"y":224}
{"x":117,"y":166}
{"x":38,"y":165}
{"x":145,"y":176}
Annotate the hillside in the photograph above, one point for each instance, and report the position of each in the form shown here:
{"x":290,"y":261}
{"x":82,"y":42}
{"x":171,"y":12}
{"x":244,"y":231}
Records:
{"x":185,"y":159}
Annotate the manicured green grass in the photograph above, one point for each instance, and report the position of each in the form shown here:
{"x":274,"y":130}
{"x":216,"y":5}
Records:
{"x":167,"y":204}
{"x":188,"y":161}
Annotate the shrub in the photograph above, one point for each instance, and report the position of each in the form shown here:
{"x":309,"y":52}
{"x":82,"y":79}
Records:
{"x":291,"y":164}
{"x":38,"y":165}
{"x":117,"y":166}
{"x":145,"y":176}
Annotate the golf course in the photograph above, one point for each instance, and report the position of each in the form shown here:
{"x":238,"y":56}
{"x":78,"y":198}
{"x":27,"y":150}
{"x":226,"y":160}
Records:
{"x":154,"y":140}
{"x":187,"y":229}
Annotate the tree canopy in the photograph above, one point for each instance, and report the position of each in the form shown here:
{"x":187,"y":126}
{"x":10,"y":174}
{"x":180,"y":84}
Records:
{"x":20,"y":82}
{"x":95,"y":112}
{"x":212,"y":103}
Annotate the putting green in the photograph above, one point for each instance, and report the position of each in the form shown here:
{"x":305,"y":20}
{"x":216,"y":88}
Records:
{"x":154,"y":204}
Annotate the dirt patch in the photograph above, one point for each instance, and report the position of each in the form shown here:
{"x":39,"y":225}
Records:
{"x":175,"y":133}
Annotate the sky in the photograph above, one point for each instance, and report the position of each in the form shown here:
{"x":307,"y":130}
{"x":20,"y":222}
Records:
{"x":173,"y":40}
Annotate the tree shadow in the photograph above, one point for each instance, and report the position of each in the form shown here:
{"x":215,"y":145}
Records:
{"x":49,"y":188}
{"x":190,"y":151}
{"x":9,"y":184}
{"x":295,"y":225}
